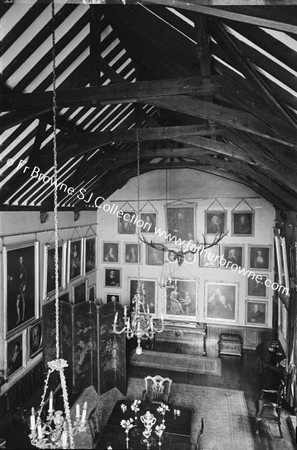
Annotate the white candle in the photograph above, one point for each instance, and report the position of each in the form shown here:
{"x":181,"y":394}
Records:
{"x":84,"y":413}
{"x":64,"y":438}
{"x":39,"y":431}
{"x":51,"y":402}
{"x":162,"y":317}
{"x":125,"y":310}
{"x":32,"y":420}
{"x":77,"y":411}
{"x":116,"y":317}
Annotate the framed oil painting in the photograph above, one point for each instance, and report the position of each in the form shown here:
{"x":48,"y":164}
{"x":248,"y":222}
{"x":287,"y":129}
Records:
{"x":242,"y":223}
{"x":75,"y":254}
{"x":111,"y":252}
{"x":148,"y":289}
{"x":260,"y":257}
{"x":90,"y":254}
{"x":256,"y":286}
{"x":92,"y":293}
{"x":126,"y":223}
{"x":35,"y":339}
{"x":112,"y":298}
{"x":233,"y":254}
{"x":181,"y":222}
{"x":210,"y":257}
{"x":112,"y":277}
{"x":181,"y":300}
{"x":154,"y":257}
{"x":221,"y":301}
{"x":49,"y":268}
{"x":150,"y":222}
{"x":256,"y":313}
{"x":132,"y":253}
{"x":215,"y":222}
{"x":80,"y":292}
{"x":21,"y":285}
{"x":15,"y":357}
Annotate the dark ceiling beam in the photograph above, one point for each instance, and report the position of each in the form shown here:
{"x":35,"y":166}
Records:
{"x":255,"y":19}
{"x":95,"y":47}
{"x":13,"y":118}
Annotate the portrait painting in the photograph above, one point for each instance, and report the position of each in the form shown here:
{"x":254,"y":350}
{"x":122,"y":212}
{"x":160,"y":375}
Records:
{"x":221,"y":301}
{"x":256,"y":313}
{"x":126,"y":224}
{"x":150,"y":221}
{"x":180,"y":222}
{"x":210,"y":257}
{"x":233,"y":254}
{"x":132,"y":253}
{"x":35,"y":339}
{"x":112,"y":298}
{"x":215,"y":222}
{"x":181,"y":299}
{"x":259,"y":257}
{"x":75,"y":259}
{"x":49,"y":268}
{"x":15,"y":357}
{"x":110,"y":252}
{"x":80,"y":292}
{"x":256,"y":286}
{"x":242,"y":223}
{"x":154,"y":257}
{"x":148,"y":291}
{"x":21,"y":285}
{"x":92,"y":293}
{"x":113,"y":277}
{"x":90,"y":252}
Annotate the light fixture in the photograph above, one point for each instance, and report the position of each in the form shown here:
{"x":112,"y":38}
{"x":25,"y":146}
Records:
{"x":141,"y":323}
{"x":55,"y":429}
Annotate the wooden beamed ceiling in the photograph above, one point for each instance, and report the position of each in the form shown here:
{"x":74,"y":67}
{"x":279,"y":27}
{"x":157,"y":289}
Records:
{"x":202,"y":88}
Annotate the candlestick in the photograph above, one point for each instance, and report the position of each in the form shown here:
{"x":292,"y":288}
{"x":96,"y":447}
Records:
{"x":64,"y":436}
{"x":84,"y":413}
{"x":77,"y":411}
{"x":116,"y":317}
{"x":32,"y":420}
{"x":39,"y":431}
{"x":125,"y":311}
{"x":51,"y":402}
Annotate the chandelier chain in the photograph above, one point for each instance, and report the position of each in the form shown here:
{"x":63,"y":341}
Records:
{"x":138,"y":202}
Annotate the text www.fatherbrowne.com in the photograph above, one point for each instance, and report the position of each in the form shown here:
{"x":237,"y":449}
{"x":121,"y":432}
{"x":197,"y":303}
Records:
{"x":100,"y":203}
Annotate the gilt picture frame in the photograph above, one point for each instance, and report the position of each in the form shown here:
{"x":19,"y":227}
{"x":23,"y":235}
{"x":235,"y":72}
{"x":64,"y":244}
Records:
{"x":49,"y":268}
{"x":180,"y":222}
{"x":181,"y":299}
{"x":35,"y":339}
{"x":149,"y":291}
{"x":75,"y":259}
{"x":221,"y":302}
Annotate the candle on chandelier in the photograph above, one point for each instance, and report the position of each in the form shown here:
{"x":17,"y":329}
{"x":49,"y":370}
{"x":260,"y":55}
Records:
{"x":64,"y":437}
{"x":84,"y":413}
{"x":39,"y":431}
{"x":51,"y":402}
{"x":116,"y":317}
{"x":125,"y":311}
{"x":77,"y":411}
{"x":32,"y":420}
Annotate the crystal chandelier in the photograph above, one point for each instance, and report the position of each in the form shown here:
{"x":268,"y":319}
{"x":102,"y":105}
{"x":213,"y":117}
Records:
{"x":141,"y":323}
{"x":54,"y":429}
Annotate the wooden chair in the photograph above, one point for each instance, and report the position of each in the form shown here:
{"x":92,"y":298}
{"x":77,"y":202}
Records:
{"x":199,"y":437}
{"x":270,"y":406}
{"x":157,"y":389}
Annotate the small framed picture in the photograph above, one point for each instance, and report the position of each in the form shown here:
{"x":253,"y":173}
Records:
{"x":112,"y":298}
{"x":256,"y":286}
{"x":132,"y":253}
{"x":80,"y":292}
{"x":154,"y":257}
{"x":150,"y":220}
{"x":75,"y":265}
{"x":180,"y":222}
{"x":126,"y":223}
{"x":260,"y":257}
{"x":233,"y":255}
{"x":256,"y":313}
{"x":110,"y":252}
{"x":90,"y":254}
{"x":148,"y":290}
{"x":221,"y":301}
{"x":112,"y":277}
{"x":215,"y":222}
{"x":49,"y":268}
{"x":242,"y":223}
{"x":92,"y":293}
{"x":15,"y":354}
{"x":210,"y":257}
{"x":181,"y":299}
{"x":35,"y":339}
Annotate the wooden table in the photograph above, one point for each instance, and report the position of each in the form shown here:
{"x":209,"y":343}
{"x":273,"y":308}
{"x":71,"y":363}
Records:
{"x":177,"y":435}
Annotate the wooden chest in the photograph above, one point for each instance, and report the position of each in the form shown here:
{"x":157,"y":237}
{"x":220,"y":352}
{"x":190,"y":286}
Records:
{"x":230,"y":344}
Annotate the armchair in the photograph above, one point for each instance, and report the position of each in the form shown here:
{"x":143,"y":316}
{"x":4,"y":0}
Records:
{"x":270,"y":405}
{"x":157,"y":389}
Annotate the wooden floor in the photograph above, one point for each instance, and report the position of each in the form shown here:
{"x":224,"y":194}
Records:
{"x":236,"y":374}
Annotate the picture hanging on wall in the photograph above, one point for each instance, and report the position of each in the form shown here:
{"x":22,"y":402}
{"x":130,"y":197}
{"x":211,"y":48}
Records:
{"x":256,"y":313}
{"x":233,"y":254}
{"x":80,"y":292}
{"x":21,"y":285}
{"x":112,"y":298}
{"x":260,"y":257}
{"x":221,"y":301}
{"x":150,"y":222}
{"x":75,"y":252}
{"x":148,"y":289}
{"x":110,"y":252}
{"x":132,"y":253}
{"x":49,"y":268}
{"x":35,"y":338}
{"x":154,"y":257}
{"x":181,"y":299}
{"x":242,"y":223}
{"x":126,"y":223}
{"x":256,"y":286}
{"x":279,"y":260}
{"x":209,"y":257}
{"x":113,"y":277}
{"x":285,"y":263}
{"x":90,"y":254}
{"x":215,"y":222}
{"x":15,"y":357}
{"x":180,"y":222}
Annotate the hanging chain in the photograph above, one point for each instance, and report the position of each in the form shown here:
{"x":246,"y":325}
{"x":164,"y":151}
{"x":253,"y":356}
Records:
{"x":138,"y":202}
{"x":55,"y":182}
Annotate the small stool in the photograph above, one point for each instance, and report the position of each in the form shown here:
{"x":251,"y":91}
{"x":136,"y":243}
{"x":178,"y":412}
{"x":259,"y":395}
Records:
{"x":230,"y":344}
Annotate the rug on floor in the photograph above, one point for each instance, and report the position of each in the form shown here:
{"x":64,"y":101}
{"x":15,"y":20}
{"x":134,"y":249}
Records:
{"x":225,"y":414}
{"x":177,"y":362}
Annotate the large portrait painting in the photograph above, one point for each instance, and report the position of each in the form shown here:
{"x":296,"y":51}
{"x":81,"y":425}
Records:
{"x":234,"y":255}
{"x":180,"y":222}
{"x":259,"y":257}
{"x":256,"y":286}
{"x":215,"y":222}
{"x":181,"y":299}
{"x":110,"y":252}
{"x":126,"y":223}
{"x":15,"y":354}
{"x":21,"y":285}
{"x":242,"y":223}
{"x":75,"y":266}
{"x":49,"y":268}
{"x":256,"y":313}
{"x":35,"y":339}
{"x":90,"y":256}
{"x":148,"y":290}
{"x":221,"y":301}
